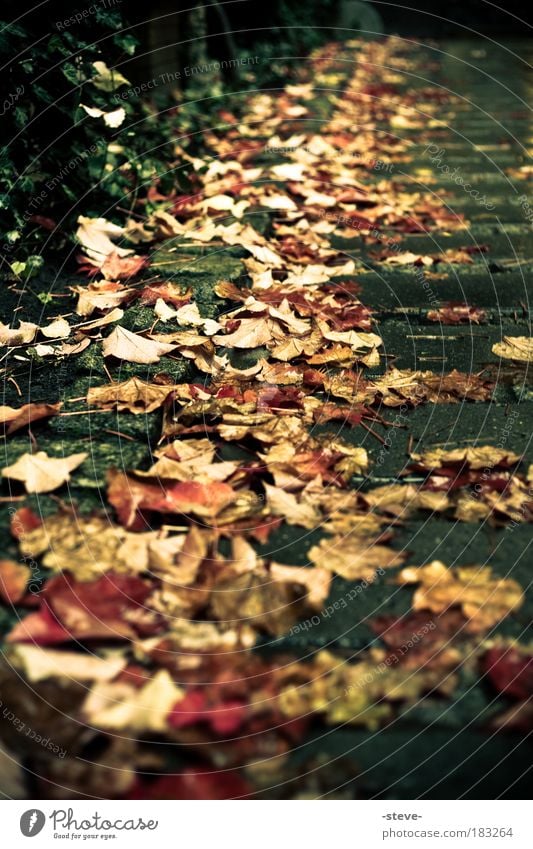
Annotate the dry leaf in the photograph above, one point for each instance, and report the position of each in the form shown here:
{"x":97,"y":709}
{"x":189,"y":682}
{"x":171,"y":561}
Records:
{"x":39,"y":663}
{"x":134,"y":395}
{"x":58,"y":329}
{"x":484,"y":600}
{"x":41,"y":473}
{"x":122,"y":707}
{"x":96,"y":235}
{"x":13,"y":419}
{"x":125,"y":345}
{"x":21,"y":336}
{"x":519,"y":348}
{"x":484,"y":457}
{"x":354,"y":558}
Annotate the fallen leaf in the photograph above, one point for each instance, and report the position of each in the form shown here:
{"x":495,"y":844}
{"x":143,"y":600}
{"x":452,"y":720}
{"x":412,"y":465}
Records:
{"x":125,"y":345}
{"x":38,"y":663}
{"x":509,"y":669}
{"x":118,"y":267}
{"x":134,"y":395}
{"x":110,"y":608}
{"x":484,"y":600}
{"x":453,"y":313}
{"x":58,"y":329}
{"x":354,"y":558}
{"x":518,"y":348}
{"x":131,"y":497}
{"x":13,"y":418}
{"x":121,"y":707}
{"x":484,"y":457}
{"x":41,"y":473}
{"x":25,"y":333}
{"x":96,"y":235}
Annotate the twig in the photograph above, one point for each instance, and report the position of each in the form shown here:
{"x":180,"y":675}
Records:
{"x":119,"y":433}
{"x":17,"y":387}
{"x":373,"y":432}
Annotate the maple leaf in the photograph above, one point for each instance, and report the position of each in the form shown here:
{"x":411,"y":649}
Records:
{"x":130,"y":497}
{"x":15,"y":418}
{"x":267,"y":597}
{"x":224,"y":717}
{"x":111,"y":607}
{"x":196,"y":466}
{"x":86,"y":546}
{"x":23,"y":521}
{"x":295,"y":512}
{"x":168,"y":292}
{"x":41,"y":473}
{"x":125,"y":345}
{"x":518,"y":348}
{"x":135,"y":395}
{"x":399,"y":499}
{"x":354,"y":558}
{"x":102,"y":295}
{"x":430,"y":640}
{"x":483,"y":599}
{"x":116,"y":267}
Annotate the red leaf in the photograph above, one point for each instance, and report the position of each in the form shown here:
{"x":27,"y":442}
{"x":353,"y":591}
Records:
{"x":223,"y":784}
{"x":41,"y":628}
{"x":108,"y":608}
{"x":13,"y":580}
{"x":131,"y":497}
{"x":24,"y":521}
{"x":117,"y":267}
{"x":509,"y":671}
{"x":225,"y":718}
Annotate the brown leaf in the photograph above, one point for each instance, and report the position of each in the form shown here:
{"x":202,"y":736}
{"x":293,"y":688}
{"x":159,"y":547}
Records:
{"x":483,"y":599}
{"x":484,"y":457}
{"x":134,"y":395}
{"x":354,"y":558}
{"x":130,"y":497}
{"x":457,"y":314}
{"x":13,"y":418}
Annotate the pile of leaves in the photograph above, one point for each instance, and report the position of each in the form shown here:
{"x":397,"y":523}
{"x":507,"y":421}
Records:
{"x":147,"y":623}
